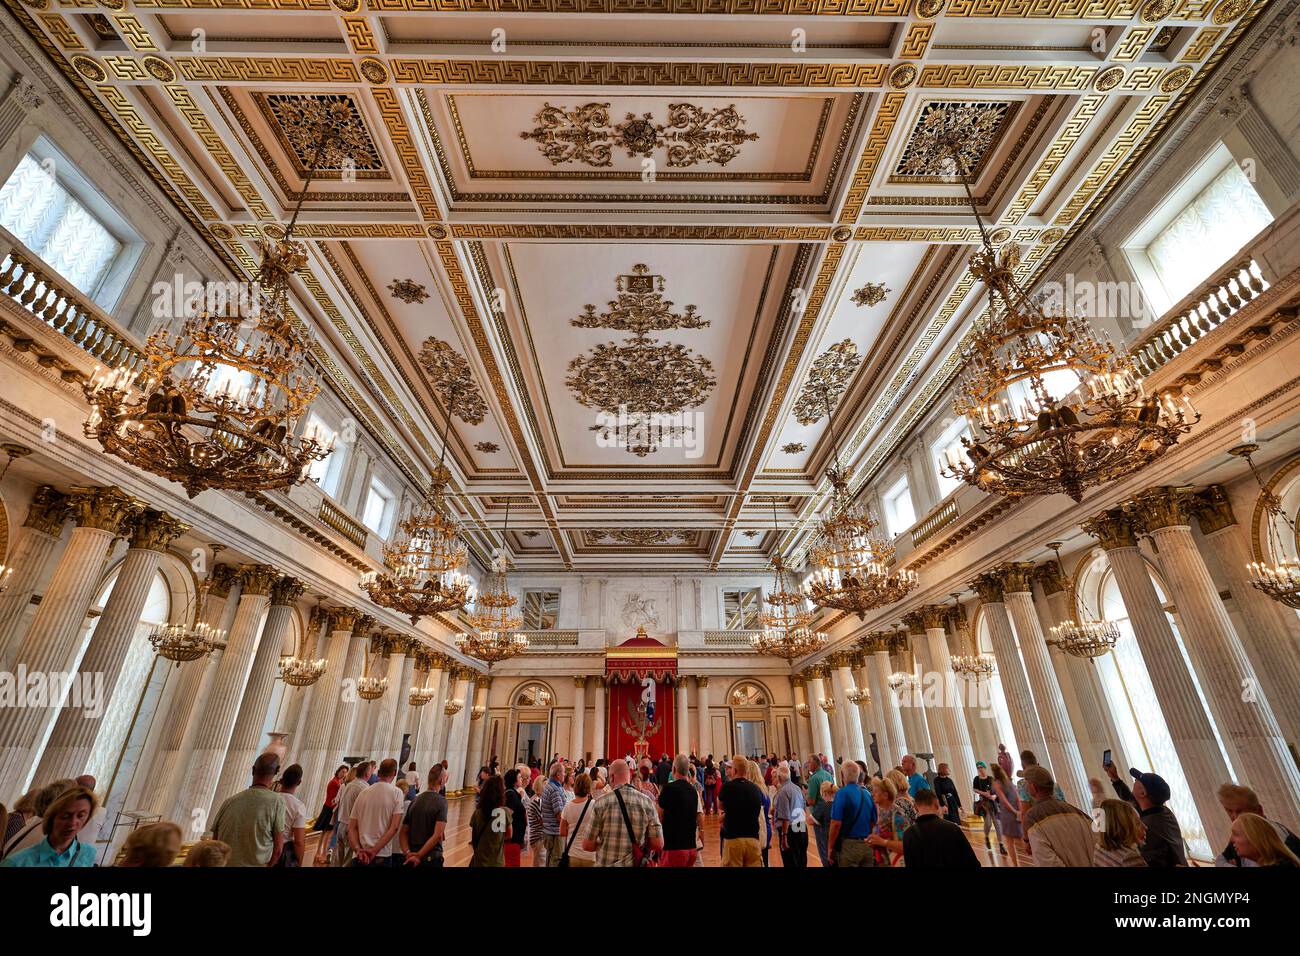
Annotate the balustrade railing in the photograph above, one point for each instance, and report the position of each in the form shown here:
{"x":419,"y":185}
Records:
{"x":342,"y":522}
{"x":542,"y":640}
{"x":934,"y":522}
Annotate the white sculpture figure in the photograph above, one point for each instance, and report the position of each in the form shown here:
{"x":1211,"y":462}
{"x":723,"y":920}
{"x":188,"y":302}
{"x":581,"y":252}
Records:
{"x":640,"y":612}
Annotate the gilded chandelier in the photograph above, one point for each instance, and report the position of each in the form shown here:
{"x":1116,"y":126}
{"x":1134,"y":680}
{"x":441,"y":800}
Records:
{"x":1279,"y":575}
{"x":494,"y":620}
{"x":181,"y":642}
{"x":1054,"y":407}
{"x":787,"y":619}
{"x":218,"y":405}
{"x":1083,"y":636}
{"x":421,"y":695}
{"x":968,"y":664}
{"x":369,"y":686}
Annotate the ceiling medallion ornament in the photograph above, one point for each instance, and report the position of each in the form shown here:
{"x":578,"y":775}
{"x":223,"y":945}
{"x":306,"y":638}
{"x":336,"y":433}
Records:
{"x":299,"y":118}
{"x":829,"y":376}
{"x":374,"y":72}
{"x":973,"y":129}
{"x":1155,"y":10}
{"x":218,"y":405}
{"x":1278,"y":575}
{"x":1080,"y":635}
{"x":873,"y":293}
{"x":929,"y":9}
{"x":487,"y":447}
{"x":692,"y":135}
{"x":1230,"y":10}
{"x":793,"y":448}
{"x":408,"y":290}
{"x":89,"y":69}
{"x":494,"y":620}
{"x":640,"y":307}
{"x":159,"y":69}
{"x":641,"y":537}
{"x":1175,"y":79}
{"x":1055,"y":408}
{"x":902,"y":76}
{"x":1108,"y":79}
{"x":452,"y":380}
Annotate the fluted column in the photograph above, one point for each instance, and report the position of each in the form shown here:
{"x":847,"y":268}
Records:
{"x":246,"y":736}
{"x":1226,"y":673}
{"x":297,"y":707}
{"x":578,"y":736}
{"x":458,"y":733}
{"x":403,"y":717}
{"x":474,"y":752}
{"x":598,"y":731}
{"x":395,"y":661}
{"x":1271,"y":629}
{"x":869,"y":709}
{"x":802,"y":724}
{"x":373,"y":664}
{"x":683,"y":715}
{"x":217,"y":723}
{"x":855,"y":739}
{"x":892,"y":741}
{"x":314,"y":750}
{"x":702,"y":711}
{"x":911,"y":697}
{"x":76,"y":727}
{"x":1096,"y":729}
{"x":432,"y":719}
{"x":54,"y":639}
{"x":184,"y":701}
{"x":30,"y":557}
{"x":950,"y":712}
{"x":822,"y":738}
{"x":1011,"y":668}
{"x":1175,"y":691}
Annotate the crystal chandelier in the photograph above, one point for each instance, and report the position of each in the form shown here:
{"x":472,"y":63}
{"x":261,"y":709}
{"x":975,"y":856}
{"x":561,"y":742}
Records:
{"x":1279,"y":575}
{"x":1055,"y":408}
{"x":419,"y":696}
{"x":827,"y":704}
{"x":368,"y":686}
{"x":494,"y":620}
{"x":477,"y":711}
{"x":801,"y":709}
{"x":968,"y":664}
{"x":787,"y":620}
{"x":857,"y":696}
{"x":302,"y":671}
{"x":1083,"y":636}
{"x":181,"y":642}
{"x":453,"y":706}
{"x":218,"y":405}
{"x":907,"y":676}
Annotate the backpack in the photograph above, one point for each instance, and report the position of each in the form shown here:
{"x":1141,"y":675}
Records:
{"x":710,"y":777}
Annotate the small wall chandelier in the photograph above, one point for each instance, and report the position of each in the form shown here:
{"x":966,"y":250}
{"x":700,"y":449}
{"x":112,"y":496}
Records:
{"x":370,"y":687}
{"x":477,"y":711}
{"x":218,"y":405}
{"x":1054,"y":407}
{"x":301,"y":671}
{"x":787,"y":620}
{"x":907,"y":676}
{"x":827,"y":704}
{"x":857,"y":696}
{"x":494,"y":620}
{"x":421,"y":695}
{"x":801,"y":710}
{"x":1083,"y":635}
{"x":968,"y":664}
{"x":1279,"y":575}
{"x":182,"y":642}
{"x":453,"y":706}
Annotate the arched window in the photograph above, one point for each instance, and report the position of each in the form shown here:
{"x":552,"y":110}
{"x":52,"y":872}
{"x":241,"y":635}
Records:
{"x":748,"y":695}
{"x":533,"y":695}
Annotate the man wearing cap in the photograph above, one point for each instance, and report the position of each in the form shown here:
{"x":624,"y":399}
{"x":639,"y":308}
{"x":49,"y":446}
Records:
{"x":1059,"y":833}
{"x":1163,"y":845}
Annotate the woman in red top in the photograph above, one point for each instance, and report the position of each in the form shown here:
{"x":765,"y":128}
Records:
{"x":325,"y":819}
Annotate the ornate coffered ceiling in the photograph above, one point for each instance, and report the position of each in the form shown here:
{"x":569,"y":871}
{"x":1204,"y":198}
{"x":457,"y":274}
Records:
{"x":690,"y":201}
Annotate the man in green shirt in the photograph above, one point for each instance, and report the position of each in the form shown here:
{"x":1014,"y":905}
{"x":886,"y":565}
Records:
{"x":252,"y":822}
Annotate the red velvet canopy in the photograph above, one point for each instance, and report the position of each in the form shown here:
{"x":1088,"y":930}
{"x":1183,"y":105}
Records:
{"x":640,"y":657}
{"x":625,"y":667}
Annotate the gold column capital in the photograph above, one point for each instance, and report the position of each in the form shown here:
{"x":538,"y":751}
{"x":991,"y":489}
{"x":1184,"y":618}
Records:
{"x":580,"y":681}
{"x":1112,"y":529}
{"x":1213,"y":510}
{"x":342,"y":618}
{"x":221,"y":579}
{"x":702,"y":681}
{"x":838,"y":659}
{"x":257,"y":578}
{"x":914,"y":621}
{"x":287,"y":591}
{"x":934,"y":615}
{"x":798,"y":680}
{"x":1165,"y":506}
{"x":1051,"y":577}
{"x":1017,"y":576}
{"x":362,"y":624}
{"x":989,"y":587}
{"x":107,"y":509}
{"x":155,"y":530}
{"x":818,"y":672}
{"x":48,"y":511}
{"x":483,"y":681}
{"x":875,"y":641}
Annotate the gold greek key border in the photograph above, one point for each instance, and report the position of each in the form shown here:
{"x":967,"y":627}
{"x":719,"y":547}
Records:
{"x":1013,"y":76}
{"x":134,"y":33}
{"x":1201,"y":45}
{"x":916,"y":41}
{"x":265,"y":69}
{"x":891,"y":106}
{"x":61,"y":31}
{"x":1137,"y":128}
{"x":488,"y":231}
{"x":216,"y":146}
{"x":1054,"y":157}
{"x":399,"y":136}
{"x":1132,"y":44}
{"x":589,"y":73}
{"x":359,"y":35}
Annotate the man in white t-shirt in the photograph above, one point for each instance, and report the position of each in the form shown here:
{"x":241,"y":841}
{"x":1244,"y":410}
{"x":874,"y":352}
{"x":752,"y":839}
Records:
{"x":375,"y":819}
{"x":347,"y":797}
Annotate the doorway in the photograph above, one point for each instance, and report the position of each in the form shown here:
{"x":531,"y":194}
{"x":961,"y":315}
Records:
{"x":532,"y":741}
{"x":751,"y":737}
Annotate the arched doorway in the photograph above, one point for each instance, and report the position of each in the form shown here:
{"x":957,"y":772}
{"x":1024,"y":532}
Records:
{"x":531,"y":709}
{"x":751,"y":715}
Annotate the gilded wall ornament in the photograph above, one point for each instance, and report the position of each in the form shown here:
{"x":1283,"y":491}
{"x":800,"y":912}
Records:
{"x":902,"y":76}
{"x":453,"y":380}
{"x":976,"y":126}
{"x":929,"y":9}
{"x":299,"y":119}
{"x":1108,"y":79}
{"x":691,"y":135}
{"x":1155,"y":10}
{"x":487,"y":447}
{"x":794,"y":447}
{"x":408,"y":290}
{"x":641,"y":537}
{"x":1175,"y":79}
{"x":640,"y":307}
{"x":1230,"y":10}
{"x":873,"y":293}
{"x":827,"y":379}
{"x":89,"y":69}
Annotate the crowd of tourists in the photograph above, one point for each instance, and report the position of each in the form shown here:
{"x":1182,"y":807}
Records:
{"x":637,"y":812}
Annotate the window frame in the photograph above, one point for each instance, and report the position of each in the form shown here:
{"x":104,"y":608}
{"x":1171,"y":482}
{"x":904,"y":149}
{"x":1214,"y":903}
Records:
{"x":888,"y":499}
{"x":950,"y":436}
{"x":540,"y":620}
{"x":383,"y":528}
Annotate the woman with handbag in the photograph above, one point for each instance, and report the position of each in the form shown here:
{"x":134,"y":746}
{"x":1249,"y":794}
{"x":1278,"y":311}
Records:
{"x":575,"y":824}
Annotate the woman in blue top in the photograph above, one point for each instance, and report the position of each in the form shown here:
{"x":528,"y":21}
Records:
{"x":62,"y":822}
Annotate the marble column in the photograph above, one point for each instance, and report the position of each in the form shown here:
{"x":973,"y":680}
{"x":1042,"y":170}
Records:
{"x":373,"y":664}
{"x":404,"y":715}
{"x":191,"y":683}
{"x":246,"y":736}
{"x":683,"y":704}
{"x":1226,"y":673}
{"x":598,"y":731}
{"x":439,"y":720}
{"x":822,"y":738}
{"x":1269,"y":637}
{"x":705,"y":721}
{"x":855,"y":739}
{"x":1096,"y":728}
{"x":458,"y":734}
{"x":296,"y":702}
{"x":395,"y":661}
{"x":1025,"y":724}
{"x":951,"y":713}
{"x":76,"y":727}
{"x":869,"y":709}
{"x":314,"y":750}
{"x":578,"y":729}
{"x":1063,"y":755}
{"x":802,"y":724}
{"x":30,"y":556}
{"x":1175,"y":691}
{"x":431,"y":717}
{"x":217,"y":723}
{"x":911,"y":696}
{"x":474,"y":752}
{"x":54,"y":639}
{"x":893,"y":742}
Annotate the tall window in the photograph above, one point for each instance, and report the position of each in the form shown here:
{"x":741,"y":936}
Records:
{"x":740,"y":609}
{"x":377,"y":515}
{"x":949,"y":441}
{"x":541,"y":610}
{"x":38,"y":206}
{"x":328,"y":471}
{"x":897,"y":503}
